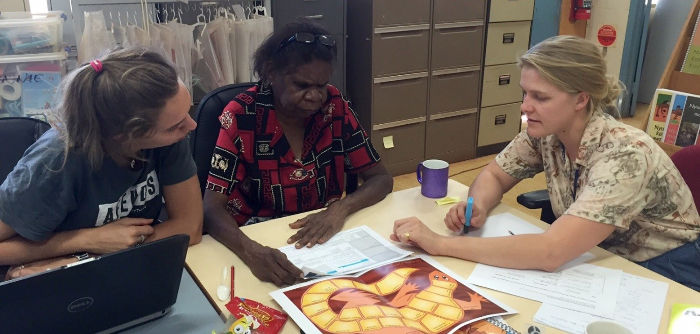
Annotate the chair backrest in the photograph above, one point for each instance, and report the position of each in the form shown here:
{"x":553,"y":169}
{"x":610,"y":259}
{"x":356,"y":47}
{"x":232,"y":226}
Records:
{"x":687,"y":161}
{"x":16,"y":135}
{"x":203,"y":139}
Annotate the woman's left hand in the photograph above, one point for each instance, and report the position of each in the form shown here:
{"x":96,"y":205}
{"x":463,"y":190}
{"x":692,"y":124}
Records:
{"x":413,"y":232}
{"x":318,"y":227}
{"x":38,"y":266}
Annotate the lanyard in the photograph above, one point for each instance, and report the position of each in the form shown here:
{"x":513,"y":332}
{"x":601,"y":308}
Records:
{"x":577,"y":172}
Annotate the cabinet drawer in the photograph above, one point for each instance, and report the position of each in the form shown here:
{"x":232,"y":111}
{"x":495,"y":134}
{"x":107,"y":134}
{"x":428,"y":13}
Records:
{"x":399,"y":99}
{"x":457,"y":46}
{"x":327,"y":13}
{"x":387,"y":13}
{"x":451,"y":139}
{"x":452,"y":91}
{"x":407,"y":150}
{"x":506,"y":41}
{"x":501,"y":85}
{"x":458,"y":10}
{"x":400,"y":52}
{"x":511,"y":10}
{"x":499,"y":124}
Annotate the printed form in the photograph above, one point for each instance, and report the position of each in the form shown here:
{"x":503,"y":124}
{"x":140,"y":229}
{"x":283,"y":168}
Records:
{"x":640,"y":303}
{"x":347,"y":252}
{"x":584,"y":288}
{"x":576,"y":285}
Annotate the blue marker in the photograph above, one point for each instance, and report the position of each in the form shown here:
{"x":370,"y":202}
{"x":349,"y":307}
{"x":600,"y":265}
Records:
{"x":468,"y":215}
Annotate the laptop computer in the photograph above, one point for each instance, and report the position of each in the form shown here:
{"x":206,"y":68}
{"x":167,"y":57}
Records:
{"x":106,"y":294}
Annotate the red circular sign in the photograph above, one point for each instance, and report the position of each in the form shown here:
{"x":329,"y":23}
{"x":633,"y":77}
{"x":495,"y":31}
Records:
{"x":607,"y":35}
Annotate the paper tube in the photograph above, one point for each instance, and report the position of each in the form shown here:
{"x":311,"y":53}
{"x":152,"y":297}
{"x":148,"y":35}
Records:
{"x":10,"y":91}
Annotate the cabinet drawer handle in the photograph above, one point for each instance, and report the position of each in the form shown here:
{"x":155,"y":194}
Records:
{"x":453,"y":114}
{"x":314,"y":17}
{"x":400,"y":77}
{"x":448,"y":71}
{"x":452,"y":25}
{"x":389,"y":125}
{"x":415,"y":27}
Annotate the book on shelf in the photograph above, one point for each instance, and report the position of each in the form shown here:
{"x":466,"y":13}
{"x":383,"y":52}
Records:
{"x":691,"y":62}
{"x":673,"y":122}
{"x":661,"y":104}
{"x":690,"y":122}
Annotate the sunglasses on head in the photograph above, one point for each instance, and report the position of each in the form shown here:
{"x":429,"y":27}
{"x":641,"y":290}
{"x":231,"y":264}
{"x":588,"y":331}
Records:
{"x":308,"y":38}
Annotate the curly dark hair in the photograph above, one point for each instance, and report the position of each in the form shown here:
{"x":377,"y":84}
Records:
{"x":270,"y":58}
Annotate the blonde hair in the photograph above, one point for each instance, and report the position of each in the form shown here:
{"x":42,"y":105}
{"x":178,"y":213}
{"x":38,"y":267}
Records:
{"x":123,"y":99}
{"x":575,"y":65}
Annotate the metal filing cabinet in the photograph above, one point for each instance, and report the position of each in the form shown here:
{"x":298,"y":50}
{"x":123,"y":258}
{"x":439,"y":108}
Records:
{"x":414,"y":68}
{"x":328,"y":13}
{"x":508,"y":37}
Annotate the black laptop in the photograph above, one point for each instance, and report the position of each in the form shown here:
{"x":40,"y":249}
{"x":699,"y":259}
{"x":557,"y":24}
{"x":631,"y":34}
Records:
{"x":107,"y":294}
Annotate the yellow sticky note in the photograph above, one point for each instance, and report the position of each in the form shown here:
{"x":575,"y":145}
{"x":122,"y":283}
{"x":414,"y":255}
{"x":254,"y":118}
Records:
{"x":388,"y":141}
{"x":447,"y":200}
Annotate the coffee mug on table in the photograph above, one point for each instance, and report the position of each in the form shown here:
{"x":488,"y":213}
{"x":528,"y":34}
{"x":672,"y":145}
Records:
{"x":606,"y":327}
{"x":432,"y":175}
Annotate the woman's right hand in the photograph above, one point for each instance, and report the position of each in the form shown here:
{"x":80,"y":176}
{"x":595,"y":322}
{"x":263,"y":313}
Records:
{"x":118,"y":235}
{"x":454,"y":219}
{"x":271,"y":265}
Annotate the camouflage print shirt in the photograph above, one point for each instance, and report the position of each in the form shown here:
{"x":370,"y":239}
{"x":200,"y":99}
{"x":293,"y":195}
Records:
{"x":624,"y":179}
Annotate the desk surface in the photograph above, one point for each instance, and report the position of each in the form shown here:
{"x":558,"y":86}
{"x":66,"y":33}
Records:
{"x":191,"y":313}
{"x":208,"y":257}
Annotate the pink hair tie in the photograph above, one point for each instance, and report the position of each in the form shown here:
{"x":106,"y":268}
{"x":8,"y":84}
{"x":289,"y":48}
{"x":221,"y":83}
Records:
{"x":96,"y":65}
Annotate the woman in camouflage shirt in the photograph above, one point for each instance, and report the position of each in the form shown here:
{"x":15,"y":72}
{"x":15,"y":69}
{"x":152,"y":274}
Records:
{"x":610,"y":184}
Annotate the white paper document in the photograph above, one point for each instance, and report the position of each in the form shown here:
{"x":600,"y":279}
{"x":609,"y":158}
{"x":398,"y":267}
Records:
{"x":585,"y":287}
{"x":347,"y":252}
{"x":640,"y":302}
{"x":506,"y":224}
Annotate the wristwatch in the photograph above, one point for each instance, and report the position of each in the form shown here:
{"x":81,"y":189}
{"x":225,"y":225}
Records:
{"x":81,"y":256}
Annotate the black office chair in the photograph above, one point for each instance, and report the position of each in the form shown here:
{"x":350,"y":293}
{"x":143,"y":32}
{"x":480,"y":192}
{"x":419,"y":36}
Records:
{"x":203,"y":139}
{"x":538,"y":199}
{"x":16,"y":135}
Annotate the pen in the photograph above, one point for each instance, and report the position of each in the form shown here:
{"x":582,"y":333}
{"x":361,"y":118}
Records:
{"x":511,"y":232}
{"x":468,"y":215}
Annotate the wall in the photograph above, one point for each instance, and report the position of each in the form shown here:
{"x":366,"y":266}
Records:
{"x":614,"y":13}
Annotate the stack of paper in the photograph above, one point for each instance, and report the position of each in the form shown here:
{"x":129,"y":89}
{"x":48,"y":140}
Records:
{"x":347,"y":252}
{"x":578,"y":293}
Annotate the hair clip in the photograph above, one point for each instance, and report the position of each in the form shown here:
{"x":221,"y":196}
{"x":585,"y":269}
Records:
{"x":96,"y":65}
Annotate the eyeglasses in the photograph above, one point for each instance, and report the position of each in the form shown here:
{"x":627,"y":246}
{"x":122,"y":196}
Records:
{"x":308,"y":38}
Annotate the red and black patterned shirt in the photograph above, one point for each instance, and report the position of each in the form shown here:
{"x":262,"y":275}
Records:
{"x":253,"y":163}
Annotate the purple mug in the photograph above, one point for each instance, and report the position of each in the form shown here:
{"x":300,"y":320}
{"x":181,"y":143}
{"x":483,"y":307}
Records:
{"x":432,"y":175}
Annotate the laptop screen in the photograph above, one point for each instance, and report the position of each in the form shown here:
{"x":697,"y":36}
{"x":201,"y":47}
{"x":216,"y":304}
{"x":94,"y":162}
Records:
{"x":97,"y":295}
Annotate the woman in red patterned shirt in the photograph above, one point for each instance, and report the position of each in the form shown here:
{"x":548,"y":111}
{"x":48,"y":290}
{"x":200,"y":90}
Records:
{"x":284,"y":147}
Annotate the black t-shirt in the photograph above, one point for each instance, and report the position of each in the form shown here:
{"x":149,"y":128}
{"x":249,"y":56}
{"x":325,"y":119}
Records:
{"x":42,"y":196}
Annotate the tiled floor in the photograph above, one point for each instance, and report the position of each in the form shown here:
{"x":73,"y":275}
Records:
{"x":466,"y":171}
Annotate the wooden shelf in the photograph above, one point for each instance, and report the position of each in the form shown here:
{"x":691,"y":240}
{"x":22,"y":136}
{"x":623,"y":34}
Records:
{"x":672,"y":77}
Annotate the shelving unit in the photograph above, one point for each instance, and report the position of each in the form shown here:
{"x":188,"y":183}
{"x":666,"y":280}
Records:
{"x":673,"y":78}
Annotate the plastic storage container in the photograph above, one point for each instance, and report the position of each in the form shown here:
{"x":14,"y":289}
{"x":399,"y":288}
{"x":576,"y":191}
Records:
{"x":28,"y":83}
{"x":26,"y":33}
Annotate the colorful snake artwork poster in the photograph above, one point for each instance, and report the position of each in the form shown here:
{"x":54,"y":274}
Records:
{"x":417,"y":295}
